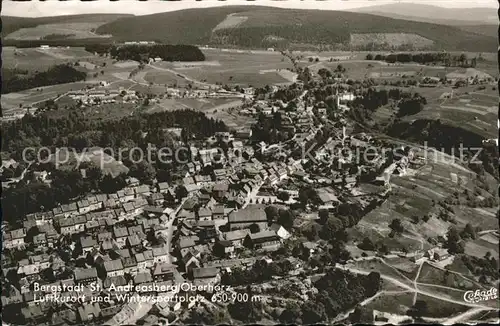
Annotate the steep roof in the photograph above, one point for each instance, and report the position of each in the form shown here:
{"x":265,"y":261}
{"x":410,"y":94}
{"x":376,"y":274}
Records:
{"x":248,"y":215}
{"x":205,"y":272}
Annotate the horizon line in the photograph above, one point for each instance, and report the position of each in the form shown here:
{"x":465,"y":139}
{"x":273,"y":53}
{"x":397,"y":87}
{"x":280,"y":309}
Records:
{"x":138,"y":8}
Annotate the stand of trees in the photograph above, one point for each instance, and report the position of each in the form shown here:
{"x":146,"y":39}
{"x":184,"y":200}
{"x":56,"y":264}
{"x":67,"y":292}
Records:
{"x":426,"y":58}
{"x":142,"y":53}
{"x":260,"y":272}
{"x":411,"y":106}
{"x":76,"y":131}
{"x":338,"y":291}
{"x":59,"y":74}
{"x":52,"y":42}
{"x":436,"y":134}
{"x":66,"y":185}
{"x":482,"y":267}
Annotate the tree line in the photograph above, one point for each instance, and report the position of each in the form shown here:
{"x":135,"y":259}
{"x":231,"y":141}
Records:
{"x":426,"y":58}
{"x":78,"y":131}
{"x":59,"y":74}
{"x":53,"y":42}
{"x":142,"y":53}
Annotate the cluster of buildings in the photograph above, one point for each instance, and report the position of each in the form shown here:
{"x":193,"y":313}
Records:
{"x":165,"y":233}
{"x":206,"y":221}
{"x":102,"y":96}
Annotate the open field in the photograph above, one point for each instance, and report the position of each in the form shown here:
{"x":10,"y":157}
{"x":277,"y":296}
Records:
{"x":56,"y":27}
{"x":412,"y":195}
{"x":165,"y":78}
{"x":480,"y":247}
{"x":69,"y":159}
{"x":446,"y":292}
{"x":398,"y":303}
{"x":435,"y":276}
{"x":468,"y":73}
{"x":469,"y":108}
{"x":382,"y":268}
{"x":475,"y":111}
{"x":439,"y":309}
{"x":235,"y":68}
{"x":404,"y":265}
{"x":66,"y":53}
{"x":32,"y":59}
{"x":12,"y":101}
{"x":73,"y":30}
{"x":111,"y":111}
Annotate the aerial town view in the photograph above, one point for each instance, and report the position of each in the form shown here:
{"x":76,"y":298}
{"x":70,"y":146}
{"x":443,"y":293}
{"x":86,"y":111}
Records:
{"x":264,"y":162}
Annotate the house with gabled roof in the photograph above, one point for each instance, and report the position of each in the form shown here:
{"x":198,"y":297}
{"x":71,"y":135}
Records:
{"x":120,"y":234}
{"x":88,"y":312}
{"x":203,"y":180}
{"x":245,"y":217}
{"x":129,"y":265}
{"x":190,"y":261}
{"x":218,"y":212}
{"x":149,"y":224}
{"x":204,"y":275}
{"x":224,"y":248}
{"x":85,"y":275}
{"x":15,"y":239}
{"x":91,"y":226}
{"x":161,"y":254}
{"x":236,"y":237}
{"x":113,"y":268}
{"x":267,"y":240}
{"x":88,"y":244}
{"x":79,"y":223}
{"x":142,"y":190}
{"x":163,"y":271}
{"x":136,"y":229}
{"x":142,"y":277}
{"x":69,"y":209}
{"x":204,"y":214}
{"x":163,"y":187}
{"x":67,"y":225}
{"x":155,"y":210}
{"x":144,"y":259}
{"x":111,"y":203}
{"x":133,"y":241}
{"x":103,"y":236}
{"x":83,"y":206}
{"x":157,"y":198}
{"x":40,"y":240}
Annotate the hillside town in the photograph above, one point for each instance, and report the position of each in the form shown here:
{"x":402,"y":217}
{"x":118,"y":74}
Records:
{"x":220,"y":216}
{"x":249,"y":167}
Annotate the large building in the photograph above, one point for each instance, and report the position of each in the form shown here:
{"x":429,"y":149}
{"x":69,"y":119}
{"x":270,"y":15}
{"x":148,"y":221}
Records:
{"x":244,"y":218}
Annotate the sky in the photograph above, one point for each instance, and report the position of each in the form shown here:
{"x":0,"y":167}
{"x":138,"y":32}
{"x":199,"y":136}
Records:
{"x":36,"y":8}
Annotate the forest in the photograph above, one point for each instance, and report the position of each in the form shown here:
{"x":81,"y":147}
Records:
{"x":142,"y":53}
{"x":426,"y":58}
{"x":59,"y":74}
{"x":79,"y":132}
{"x":53,"y":42}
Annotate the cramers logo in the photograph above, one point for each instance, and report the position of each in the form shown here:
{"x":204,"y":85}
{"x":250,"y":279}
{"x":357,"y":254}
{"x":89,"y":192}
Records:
{"x":478,"y":295}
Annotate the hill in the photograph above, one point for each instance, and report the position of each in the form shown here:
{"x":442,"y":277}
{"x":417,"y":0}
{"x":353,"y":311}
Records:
{"x":262,"y":27}
{"x":488,"y":30}
{"x":30,"y":28}
{"x":434,"y":14}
